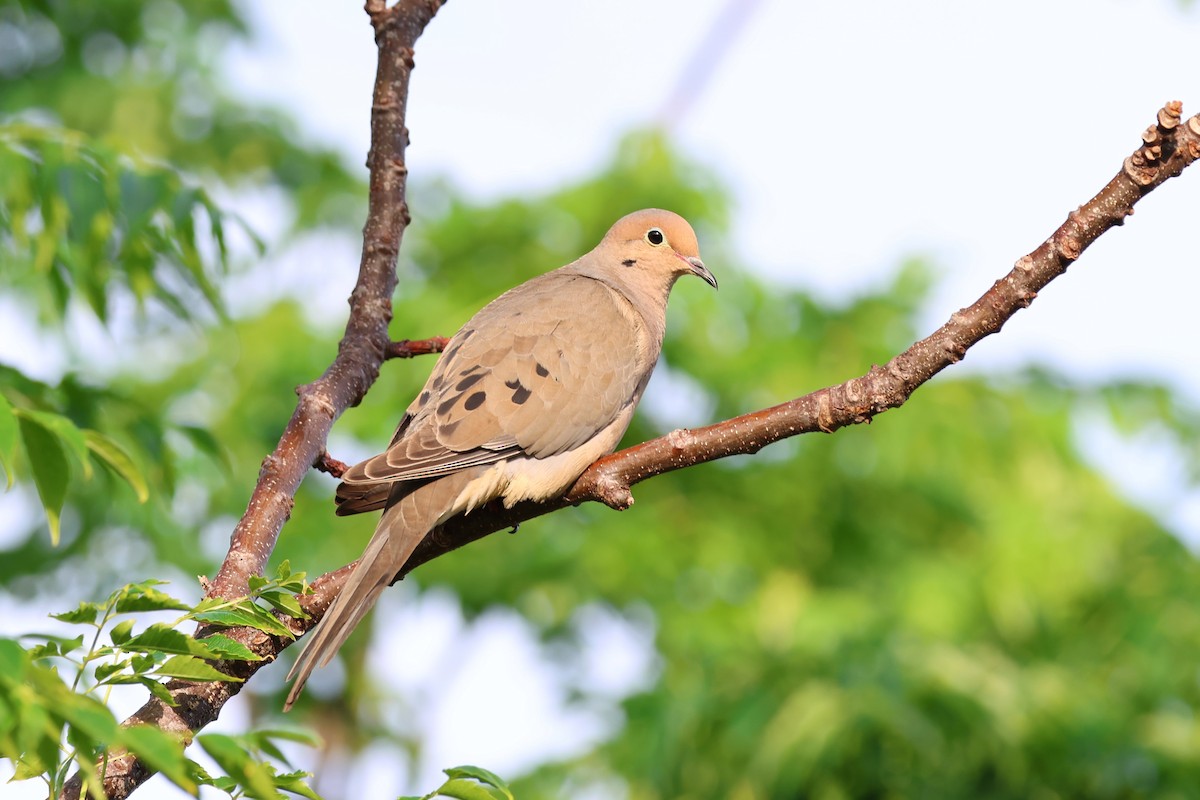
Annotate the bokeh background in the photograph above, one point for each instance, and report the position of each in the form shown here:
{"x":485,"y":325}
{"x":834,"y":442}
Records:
{"x":990,"y":592}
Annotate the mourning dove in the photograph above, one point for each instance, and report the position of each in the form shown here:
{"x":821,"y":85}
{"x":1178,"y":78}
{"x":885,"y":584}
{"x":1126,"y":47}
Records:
{"x":533,"y":389}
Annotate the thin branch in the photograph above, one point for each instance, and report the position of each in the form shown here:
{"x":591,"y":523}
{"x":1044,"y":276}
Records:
{"x":360,"y":354}
{"x":410,"y":348}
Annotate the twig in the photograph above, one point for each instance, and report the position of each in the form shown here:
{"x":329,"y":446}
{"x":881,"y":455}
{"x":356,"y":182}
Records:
{"x":409,"y":348}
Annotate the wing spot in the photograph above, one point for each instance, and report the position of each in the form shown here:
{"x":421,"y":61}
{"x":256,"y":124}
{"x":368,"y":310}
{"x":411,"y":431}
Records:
{"x":424,"y":398}
{"x":541,"y":371}
{"x":468,"y":382}
{"x":629,"y":262}
{"x":470,"y":369}
{"x":445,"y":407}
{"x":521,"y":394}
{"x":475,"y":401}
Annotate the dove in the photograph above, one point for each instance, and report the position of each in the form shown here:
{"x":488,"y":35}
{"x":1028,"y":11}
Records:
{"x":533,"y":389}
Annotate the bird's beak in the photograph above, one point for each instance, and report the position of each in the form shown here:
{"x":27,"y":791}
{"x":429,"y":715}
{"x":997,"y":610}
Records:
{"x":701,"y":271}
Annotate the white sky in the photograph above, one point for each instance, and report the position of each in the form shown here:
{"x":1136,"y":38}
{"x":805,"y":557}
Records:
{"x":852,"y":134}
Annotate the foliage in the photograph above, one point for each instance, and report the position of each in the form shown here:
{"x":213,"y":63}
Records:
{"x":49,"y":728}
{"x":948,"y":603}
{"x":469,"y":783}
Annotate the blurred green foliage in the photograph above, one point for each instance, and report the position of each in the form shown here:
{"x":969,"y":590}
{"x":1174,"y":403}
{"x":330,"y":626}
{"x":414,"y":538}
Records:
{"x":947,"y":603}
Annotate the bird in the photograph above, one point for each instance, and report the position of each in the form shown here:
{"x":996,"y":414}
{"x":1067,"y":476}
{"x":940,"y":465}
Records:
{"x":534,"y":388}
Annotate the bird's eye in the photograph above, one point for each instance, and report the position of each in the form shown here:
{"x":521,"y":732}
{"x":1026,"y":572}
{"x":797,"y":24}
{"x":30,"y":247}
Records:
{"x":655,"y":237}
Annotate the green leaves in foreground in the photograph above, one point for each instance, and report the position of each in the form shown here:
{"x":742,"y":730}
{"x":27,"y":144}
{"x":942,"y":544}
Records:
{"x":38,"y":711}
{"x":49,"y":728}
{"x":469,"y":783}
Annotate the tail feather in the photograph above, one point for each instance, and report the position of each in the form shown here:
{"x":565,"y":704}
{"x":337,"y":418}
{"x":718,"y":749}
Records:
{"x":405,"y":522}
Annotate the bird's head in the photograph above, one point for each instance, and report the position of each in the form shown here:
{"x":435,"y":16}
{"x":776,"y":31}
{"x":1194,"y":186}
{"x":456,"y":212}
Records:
{"x":655,"y":245}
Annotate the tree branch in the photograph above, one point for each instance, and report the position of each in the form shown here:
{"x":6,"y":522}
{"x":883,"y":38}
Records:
{"x":1168,"y":147}
{"x":361,"y":352}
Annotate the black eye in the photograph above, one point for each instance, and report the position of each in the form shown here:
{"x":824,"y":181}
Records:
{"x":655,"y":237}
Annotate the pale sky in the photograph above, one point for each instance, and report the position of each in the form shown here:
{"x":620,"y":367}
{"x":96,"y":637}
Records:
{"x":852,"y":135}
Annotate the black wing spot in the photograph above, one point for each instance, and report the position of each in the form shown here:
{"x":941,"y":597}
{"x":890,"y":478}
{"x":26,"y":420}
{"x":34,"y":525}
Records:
{"x":470,"y":369}
{"x":521,"y":394}
{"x":466,"y":335}
{"x":423,"y":399}
{"x":452,"y":352}
{"x":446,"y":405}
{"x":468,"y":382}
{"x":515,"y":383}
{"x":541,"y":371}
{"x":629,"y":262}
{"x":475,"y":401}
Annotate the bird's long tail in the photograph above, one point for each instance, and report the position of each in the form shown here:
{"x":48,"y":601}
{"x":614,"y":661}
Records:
{"x":403,"y":525}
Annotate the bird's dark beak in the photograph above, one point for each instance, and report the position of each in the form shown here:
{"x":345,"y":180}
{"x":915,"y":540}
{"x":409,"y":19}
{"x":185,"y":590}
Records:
{"x":701,"y":271}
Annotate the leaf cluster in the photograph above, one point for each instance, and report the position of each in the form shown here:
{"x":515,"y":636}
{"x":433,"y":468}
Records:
{"x":48,"y":727}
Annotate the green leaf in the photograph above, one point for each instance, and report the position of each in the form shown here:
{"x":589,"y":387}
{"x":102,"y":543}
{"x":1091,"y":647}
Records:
{"x":161,"y":752}
{"x":144,"y":663}
{"x":14,"y":660}
{"x":112,"y":454}
{"x":158,"y":690}
{"x":190,"y":668}
{"x":50,"y":472}
{"x":233,"y":757}
{"x":482,"y":775}
{"x":285,"y":602}
{"x":54,"y":646}
{"x":144,"y":597}
{"x":297,"y":783}
{"x":121,"y":632}
{"x":8,"y":439}
{"x":67,"y":432}
{"x":106,"y":671}
{"x":162,"y":638}
{"x":224,"y":783}
{"x":248,"y":614}
{"x":85,"y":614}
{"x":221,"y":646}
{"x":89,"y":716}
{"x":466,"y":789}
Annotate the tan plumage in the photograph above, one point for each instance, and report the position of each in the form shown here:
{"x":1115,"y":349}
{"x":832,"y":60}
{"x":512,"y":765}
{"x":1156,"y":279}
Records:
{"x":534,"y":388}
